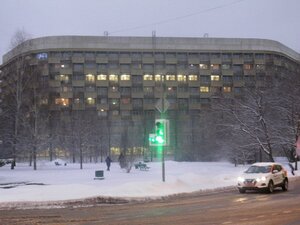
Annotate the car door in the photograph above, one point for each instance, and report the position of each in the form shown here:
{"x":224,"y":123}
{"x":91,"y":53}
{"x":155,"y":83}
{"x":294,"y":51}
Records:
{"x":277,"y":174}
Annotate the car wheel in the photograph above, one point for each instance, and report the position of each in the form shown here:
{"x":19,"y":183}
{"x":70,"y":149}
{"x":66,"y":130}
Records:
{"x":271,"y":187}
{"x":242,"y":191}
{"x":285,"y":185}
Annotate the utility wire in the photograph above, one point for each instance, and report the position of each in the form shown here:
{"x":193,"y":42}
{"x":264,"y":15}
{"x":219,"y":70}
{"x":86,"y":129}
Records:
{"x":176,"y":18}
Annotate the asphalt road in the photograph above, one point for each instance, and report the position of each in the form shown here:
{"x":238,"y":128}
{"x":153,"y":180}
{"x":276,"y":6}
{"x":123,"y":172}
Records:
{"x":230,"y":207}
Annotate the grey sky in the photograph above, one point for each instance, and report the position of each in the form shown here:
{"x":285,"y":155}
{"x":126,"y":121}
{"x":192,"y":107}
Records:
{"x":271,"y":19}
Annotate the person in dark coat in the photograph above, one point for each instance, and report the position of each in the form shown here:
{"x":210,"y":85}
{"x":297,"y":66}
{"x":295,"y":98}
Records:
{"x":292,"y":169}
{"x":108,"y":161}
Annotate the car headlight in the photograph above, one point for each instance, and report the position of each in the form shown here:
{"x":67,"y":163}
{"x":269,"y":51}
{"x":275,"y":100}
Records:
{"x":261,"y":179}
{"x":241,"y":179}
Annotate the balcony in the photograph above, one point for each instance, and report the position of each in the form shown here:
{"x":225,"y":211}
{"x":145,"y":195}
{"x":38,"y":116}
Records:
{"x":53,"y":60}
{"x":67,"y":94}
{"x":102,"y":83}
{"x":101,"y":60}
{"x":149,"y":83}
{"x":90,"y":94}
{"x":125,"y":83}
{"x":79,"y":106}
{"x":78,"y":83}
{"x":227,"y":72}
{"x":54,"y":83}
{"x":77,"y":59}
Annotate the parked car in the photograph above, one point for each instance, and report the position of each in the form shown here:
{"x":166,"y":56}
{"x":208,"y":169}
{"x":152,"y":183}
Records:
{"x":263,"y":176}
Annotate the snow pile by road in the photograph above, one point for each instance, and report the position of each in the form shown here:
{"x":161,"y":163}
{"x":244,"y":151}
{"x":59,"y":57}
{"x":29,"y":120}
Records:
{"x":54,"y":183}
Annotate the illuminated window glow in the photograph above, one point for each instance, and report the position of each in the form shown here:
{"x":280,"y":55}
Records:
{"x":62,"y":101}
{"x":148,"y":77}
{"x":90,"y":101}
{"x":215,"y":77}
{"x":193,"y":77}
{"x":227,"y":89}
{"x":125,"y":77}
{"x":101,"y":77}
{"x":204,"y":89}
{"x":203,"y":66}
{"x":158,"y":77}
{"x":90,"y":78}
{"x":181,"y":78}
{"x":171,"y":77}
{"x":113,"y":77}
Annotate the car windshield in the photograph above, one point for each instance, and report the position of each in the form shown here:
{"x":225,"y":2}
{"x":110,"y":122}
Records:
{"x":258,"y":169}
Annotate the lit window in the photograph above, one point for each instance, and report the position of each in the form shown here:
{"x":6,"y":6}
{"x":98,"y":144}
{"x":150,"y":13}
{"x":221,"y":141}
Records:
{"x":113,"y":77}
{"x":42,"y":56}
{"x":227,"y":89}
{"x":101,"y":77}
{"x":203,"y":66}
{"x":62,"y":78}
{"x":77,"y":101}
{"x":260,"y":66}
{"x":62,"y":101}
{"x":90,"y":101}
{"x":125,"y":77}
{"x":204,"y":89}
{"x":148,"y":77}
{"x":215,"y":66}
{"x":170,"y":77}
{"x":181,"y":78}
{"x":158,"y":77}
{"x":214,"y":77}
{"x":90,"y":78}
{"x":193,"y":77}
{"x":247,"y":66}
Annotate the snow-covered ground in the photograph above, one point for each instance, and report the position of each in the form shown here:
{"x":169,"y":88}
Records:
{"x":69,"y":182}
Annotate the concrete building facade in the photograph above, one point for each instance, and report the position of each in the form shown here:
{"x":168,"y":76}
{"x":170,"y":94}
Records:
{"x":119,"y":80}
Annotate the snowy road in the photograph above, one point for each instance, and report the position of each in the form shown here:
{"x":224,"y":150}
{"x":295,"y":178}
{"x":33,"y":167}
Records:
{"x":220,"y":208}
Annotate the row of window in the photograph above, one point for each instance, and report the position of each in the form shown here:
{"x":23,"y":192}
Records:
{"x":90,"y":78}
{"x":103,"y":66}
{"x":157,"y":55}
{"x":124,"y":101}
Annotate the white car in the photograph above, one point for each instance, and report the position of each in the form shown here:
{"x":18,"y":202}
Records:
{"x":263,"y":176}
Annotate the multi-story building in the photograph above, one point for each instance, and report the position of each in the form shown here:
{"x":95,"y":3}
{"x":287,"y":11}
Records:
{"x":118,"y":81}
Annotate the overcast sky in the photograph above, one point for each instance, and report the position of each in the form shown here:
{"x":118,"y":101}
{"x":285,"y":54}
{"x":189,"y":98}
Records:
{"x":271,"y":19}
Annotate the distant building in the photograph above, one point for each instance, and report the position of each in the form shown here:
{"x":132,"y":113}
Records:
{"x":117,"y":82}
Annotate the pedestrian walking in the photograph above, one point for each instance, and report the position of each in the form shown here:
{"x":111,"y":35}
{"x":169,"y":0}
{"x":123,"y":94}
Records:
{"x":108,"y":162}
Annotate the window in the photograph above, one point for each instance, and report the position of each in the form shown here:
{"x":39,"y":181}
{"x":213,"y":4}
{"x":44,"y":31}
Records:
{"x":125,"y":101}
{"x":226,"y":89}
{"x":78,"y":68}
{"x":90,"y":101}
{"x":248,"y":66}
{"x":42,"y":56}
{"x":170,"y":77}
{"x":226,"y":66}
{"x":101,"y":77}
{"x":158,"y":77}
{"x":260,"y":66}
{"x":113,"y":77}
{"x":215,"y":77}
{"x":203,"y":66}
{"x":181,"y":78}
{"x":90,"y":78}
{"x":62,"y":77}
{"x":113,"y":89}
{"x":215,"y":66}
{"x":148,"y":77}
{"x":125,"y":77}
{"x":90,"y":65}
{"x":204,"y":89}
{"x":193,"y":77}
{"x":148,"y":90}
{"x":62,"y":101}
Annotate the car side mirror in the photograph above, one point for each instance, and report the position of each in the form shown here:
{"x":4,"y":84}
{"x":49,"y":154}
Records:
{"x":275,"y":171}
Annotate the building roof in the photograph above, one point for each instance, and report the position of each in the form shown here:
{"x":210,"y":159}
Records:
{"x":96,"y":43}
